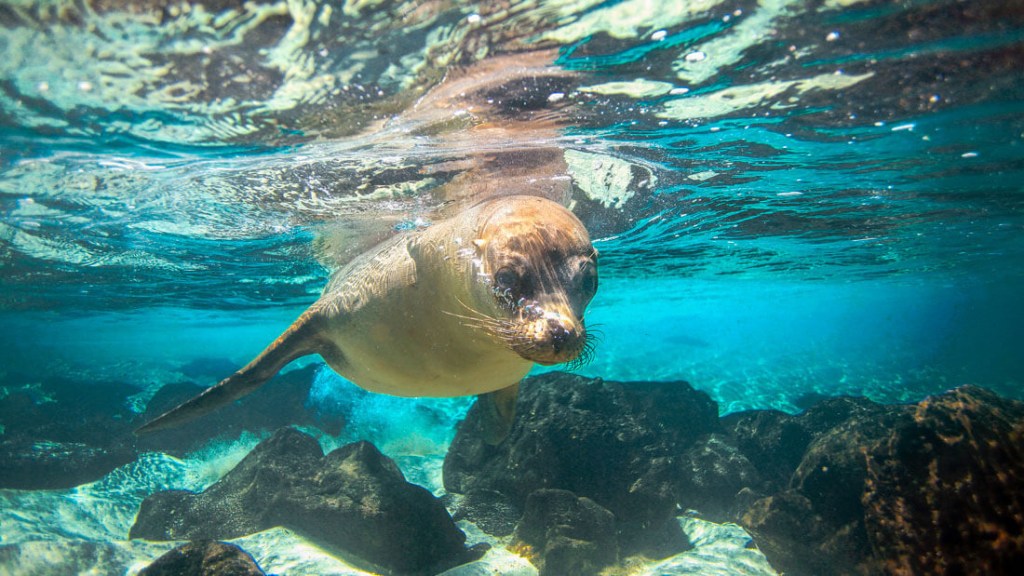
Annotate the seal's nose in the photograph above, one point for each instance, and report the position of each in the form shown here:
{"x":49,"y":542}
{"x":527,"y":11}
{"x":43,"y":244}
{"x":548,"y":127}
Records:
{"x":560,"y":335}
{"x":553,"y":337}
{"x":564,"y":337}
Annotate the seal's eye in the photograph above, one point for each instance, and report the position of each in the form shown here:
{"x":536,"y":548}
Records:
{"x":506,"y":278}
{"x":588,"y":278}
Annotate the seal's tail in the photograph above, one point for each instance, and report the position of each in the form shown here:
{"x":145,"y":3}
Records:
{"x":295,"y":342}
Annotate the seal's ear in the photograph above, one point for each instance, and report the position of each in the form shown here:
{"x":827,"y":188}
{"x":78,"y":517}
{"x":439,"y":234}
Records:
{"x":498,"y":410}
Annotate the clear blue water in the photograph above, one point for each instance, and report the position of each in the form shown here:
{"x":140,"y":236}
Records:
{"x":810,"y":198}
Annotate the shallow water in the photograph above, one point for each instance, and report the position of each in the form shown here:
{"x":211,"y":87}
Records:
{"x":792,"y":199}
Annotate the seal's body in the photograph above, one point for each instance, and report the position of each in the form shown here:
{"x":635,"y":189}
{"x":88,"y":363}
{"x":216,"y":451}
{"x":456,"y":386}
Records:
{"x":463,"y":307}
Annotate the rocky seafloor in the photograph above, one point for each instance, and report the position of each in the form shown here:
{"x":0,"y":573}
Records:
{"x":594,"y":477}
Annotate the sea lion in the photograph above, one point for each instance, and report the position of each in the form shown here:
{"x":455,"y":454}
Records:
{"x":465,"y":306}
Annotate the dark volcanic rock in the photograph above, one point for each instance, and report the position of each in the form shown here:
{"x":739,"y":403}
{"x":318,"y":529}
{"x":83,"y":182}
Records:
{"x":774,"y":442}
{"x":204,"y":558}
{"x":614,"y":443}
{"x":848,"y":487}
{"x":493,"y":512}
{"x":42,"y":465}
{"x":280,"y":402}
{"x":60,"y":433}
{"x":944,"y":491}
{"x":932,"y":488}
{"x":208,"y":368}
{"x":786,"y":529}
{"x":712,"y":472}
{"x":354,"y":500}
{"x":566,"y":535}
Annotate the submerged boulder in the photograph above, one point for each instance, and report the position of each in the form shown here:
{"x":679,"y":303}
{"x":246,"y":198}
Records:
{"x":849,"y":486}
{"x":566,"y":535}
{"x":618,"y":444}
{"x":712,"y":473}
{"x":944,"y":490}
{"x":931,"y":488}
{"x":204,"y":558}
{"x":493,"y":512}
{"x":45,"y":464}
{"x":354,"y":500}
{"x":60,"y":433}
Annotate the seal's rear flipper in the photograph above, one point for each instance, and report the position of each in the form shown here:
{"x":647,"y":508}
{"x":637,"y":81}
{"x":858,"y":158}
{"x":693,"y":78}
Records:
{"x":298,"y":340}
{"x":498,"y":412}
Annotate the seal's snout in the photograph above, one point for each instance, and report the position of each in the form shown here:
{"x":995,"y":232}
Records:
{"x":553,"y":339}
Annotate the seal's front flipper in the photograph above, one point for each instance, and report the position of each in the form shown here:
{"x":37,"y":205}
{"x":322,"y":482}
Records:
{"x":498,"y":412}
{"x":298,"y":340}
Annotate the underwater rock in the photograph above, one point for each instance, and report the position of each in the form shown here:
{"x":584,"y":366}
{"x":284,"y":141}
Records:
{"x":354,"y":500}
{"x":59,"y":433}
{"x":712,"y":473}
{"x":931,"y":488}
{"x":847,"y":487}
{"x":207,"y":368}
{"x":46,"y":465}
{"x":204,"y":558}
{"x":493,"y":512}
{"x":615,"y":443}
{"x":773,"y":442}
{"x":282,"y":402}
{"x":565,"y":535}
{"x":944,"y":492}
{"x":786,"y":529}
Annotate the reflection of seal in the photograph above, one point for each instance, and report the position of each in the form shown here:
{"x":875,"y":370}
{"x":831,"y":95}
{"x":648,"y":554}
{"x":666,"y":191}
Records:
{"x":463,"y":307}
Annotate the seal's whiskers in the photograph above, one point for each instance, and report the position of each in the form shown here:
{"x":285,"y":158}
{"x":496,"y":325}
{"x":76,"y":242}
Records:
{"x":482,"y":321}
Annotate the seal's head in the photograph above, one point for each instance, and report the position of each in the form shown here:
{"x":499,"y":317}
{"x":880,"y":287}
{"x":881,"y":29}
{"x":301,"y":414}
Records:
{"x":536,"y":259}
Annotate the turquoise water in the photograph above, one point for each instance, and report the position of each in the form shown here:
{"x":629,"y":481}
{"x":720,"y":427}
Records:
{"x":791,"y":199}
